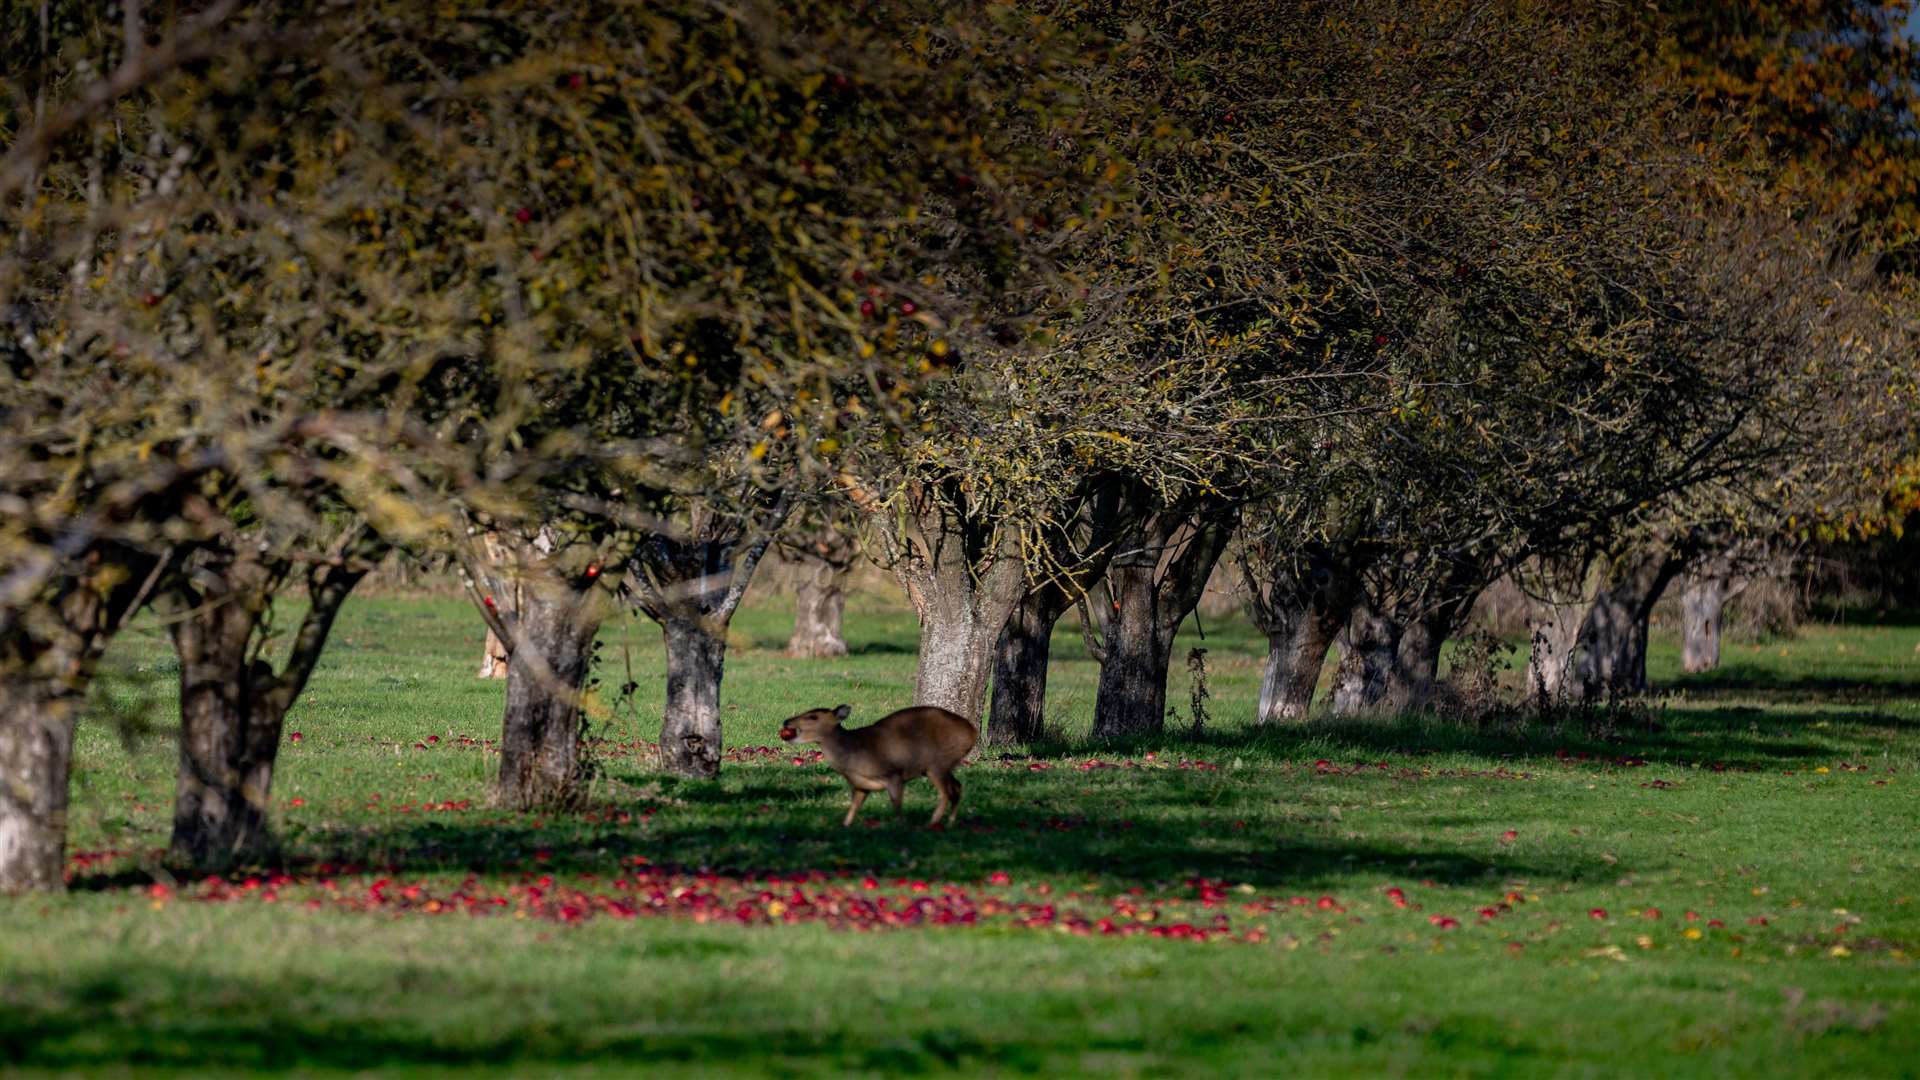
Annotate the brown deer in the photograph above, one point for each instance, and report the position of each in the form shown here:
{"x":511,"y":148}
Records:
{"x":921,"y":741}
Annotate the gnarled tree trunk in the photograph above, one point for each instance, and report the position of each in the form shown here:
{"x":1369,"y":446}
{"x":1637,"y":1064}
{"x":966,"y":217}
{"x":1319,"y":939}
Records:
{"x":691,"y":584}
{"x":957,"y":639}
{"x":37,"y":718}
{"x":961,"y":567}
{"x":552,"y":634}
{"x":1612,"y":653}
{"x":1081,"y":550}
{"x":1557,"y":605}
{"x":1391,"y":647}
{"x":1300,"y":600}
{"x":819,"y":612}
{"x":690,"y":732}
{"x":47,"y":659}
{"x":540,"y":597}
{"x":1700,"y":606}
{"x":232,"y":703}
{"x":1021,"y":658}
{"x":1153,"y":583}
{"x":1713,"y":579}
{"x":1370,"y":678}
{"x":824,"y":556}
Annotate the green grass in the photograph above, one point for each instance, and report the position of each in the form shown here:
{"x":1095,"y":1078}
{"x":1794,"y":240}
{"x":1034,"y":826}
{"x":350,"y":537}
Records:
{"x":1784,"y":787}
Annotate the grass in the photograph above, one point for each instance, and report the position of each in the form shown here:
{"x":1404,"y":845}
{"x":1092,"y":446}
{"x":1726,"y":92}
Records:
{"x":1752,"y":848}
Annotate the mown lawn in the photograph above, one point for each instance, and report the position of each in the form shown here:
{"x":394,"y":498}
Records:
{"x":1729,"y":889}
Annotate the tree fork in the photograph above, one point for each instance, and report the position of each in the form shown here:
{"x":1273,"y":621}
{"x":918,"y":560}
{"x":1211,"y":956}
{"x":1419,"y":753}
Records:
{"x":1301,"y":608}
{"x":233,"y":705}
{"x":1154,"y":582}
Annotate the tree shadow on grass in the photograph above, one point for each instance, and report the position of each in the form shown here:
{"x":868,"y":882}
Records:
{"x":1154,"y":828}
{"x":1682,"y":735}
{"x":152,"y":1014}
{"x":1787,"y":689}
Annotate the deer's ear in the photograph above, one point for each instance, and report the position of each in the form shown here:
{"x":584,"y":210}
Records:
{"x":843,"y":711}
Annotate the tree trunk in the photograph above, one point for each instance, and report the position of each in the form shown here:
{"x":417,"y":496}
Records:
{"x":691,"y":584}
{"x":962,"y":571}
{"x":1135,"y":658}
{"x":1103,"y":511}
{"x":46,"y":665}
{"x":819,"y":607}
{"x":1154,"y":583}
{"x":1554,"y":636}
{"x":36,"y":760}
{"x":493,"y":657}
{"x":1021,"y":659}
{"x":1304,"y":600}
{"x":227,"y":736}
{"x":957,"y":654}
{"x":690,"y":736}
{"x":1292,"y":674}
{"x":540,"y":730}
{"x":232,"y":704}
{"x":1612,"y":657}
{"x":1714,"y":578}
{"x":1700,"y":607}
{"x":1420,"y":645}
{"x":1391,"y":661}
{"x":1370,"y":678}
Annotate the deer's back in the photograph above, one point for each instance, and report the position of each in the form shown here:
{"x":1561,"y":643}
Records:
{"x":916,"y":739}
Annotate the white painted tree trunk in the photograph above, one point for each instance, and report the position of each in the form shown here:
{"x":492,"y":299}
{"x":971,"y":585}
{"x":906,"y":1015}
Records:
{"x":1554,"y":633}
{"x":1701,"y":605}
{"x":36,"y":760}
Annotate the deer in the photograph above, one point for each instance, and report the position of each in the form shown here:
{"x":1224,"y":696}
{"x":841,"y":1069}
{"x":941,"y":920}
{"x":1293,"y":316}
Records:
{"x":924,"y":740}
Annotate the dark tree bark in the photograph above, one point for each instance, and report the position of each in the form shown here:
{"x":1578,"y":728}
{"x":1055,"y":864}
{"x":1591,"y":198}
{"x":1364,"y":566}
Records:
{"x":691,"y":584}
{"x":1612,"y":654}
{"x":1021,"y":658}
{"x":232,"y":702}
{"x":544,"y":604}
{"x":552,"y":654}
{"x":1082,"y":548}
{"x":1300,"y":600}
{"x":1153,"y":582}
{"x":961,"y":567}
{"x":48,"y":655}
{"x":824,"y":557}
{"x":1420,"y":643}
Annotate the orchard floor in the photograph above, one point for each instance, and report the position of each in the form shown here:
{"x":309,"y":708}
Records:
{"x":1733,"y":889}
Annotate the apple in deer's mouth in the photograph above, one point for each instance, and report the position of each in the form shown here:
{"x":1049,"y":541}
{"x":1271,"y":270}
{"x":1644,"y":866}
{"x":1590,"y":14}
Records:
{"x":787,"y":734}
